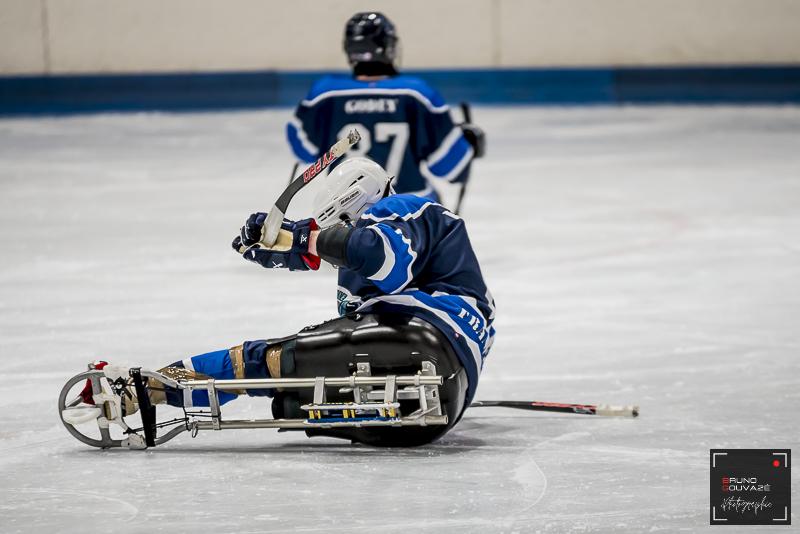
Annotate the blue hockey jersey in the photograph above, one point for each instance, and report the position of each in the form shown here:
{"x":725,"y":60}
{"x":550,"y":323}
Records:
{"x":405,"y":126}
{"x":411,"y":254}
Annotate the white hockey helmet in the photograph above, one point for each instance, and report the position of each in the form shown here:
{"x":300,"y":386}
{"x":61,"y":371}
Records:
{"x":350,"y":190}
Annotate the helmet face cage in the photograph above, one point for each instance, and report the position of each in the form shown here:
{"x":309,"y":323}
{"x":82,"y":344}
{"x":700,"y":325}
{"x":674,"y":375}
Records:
{"x":345,"y":207}
{"x":352,"y":188}
{"x":370,"y":37}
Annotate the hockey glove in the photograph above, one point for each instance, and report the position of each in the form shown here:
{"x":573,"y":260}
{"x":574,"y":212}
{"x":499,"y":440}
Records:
{"x":290,"y":251}
{"x":475,"y":137}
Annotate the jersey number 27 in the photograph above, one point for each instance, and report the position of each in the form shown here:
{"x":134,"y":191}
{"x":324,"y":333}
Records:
{"x":395,"y":133}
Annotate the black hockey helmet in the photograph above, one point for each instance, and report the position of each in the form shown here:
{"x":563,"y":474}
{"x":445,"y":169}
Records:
{"x":370,"y":37}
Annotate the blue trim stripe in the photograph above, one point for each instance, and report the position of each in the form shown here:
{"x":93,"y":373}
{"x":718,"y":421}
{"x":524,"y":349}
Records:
{"x":756,"y":84}
{"x":450,"y":160}
{"x":215,"y":364}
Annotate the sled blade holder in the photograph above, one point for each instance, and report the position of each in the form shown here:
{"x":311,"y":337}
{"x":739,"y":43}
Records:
{"x":213,"y":402}
{"x":375,"y":402}
{"x":147,"y":410}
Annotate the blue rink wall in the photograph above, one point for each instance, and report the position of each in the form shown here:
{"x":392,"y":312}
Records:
{"x":24,"y":95}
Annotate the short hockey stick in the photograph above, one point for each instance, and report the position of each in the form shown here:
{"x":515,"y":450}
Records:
{"x":278,"y":211}
{"x":583,"y":409}
{"x":467,"y":114}
{"x":293,"y":172}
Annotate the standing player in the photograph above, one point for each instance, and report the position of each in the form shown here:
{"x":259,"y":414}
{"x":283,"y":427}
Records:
{"x":410,"y":290}
{"x":404,"y":123}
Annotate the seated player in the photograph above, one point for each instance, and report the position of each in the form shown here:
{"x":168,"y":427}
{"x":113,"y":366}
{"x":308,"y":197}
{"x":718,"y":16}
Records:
{"x":410,"y":290}
{"x":405,"y":124}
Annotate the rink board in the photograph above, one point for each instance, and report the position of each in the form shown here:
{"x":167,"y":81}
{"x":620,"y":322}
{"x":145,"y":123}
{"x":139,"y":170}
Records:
{"x":779,"y":84}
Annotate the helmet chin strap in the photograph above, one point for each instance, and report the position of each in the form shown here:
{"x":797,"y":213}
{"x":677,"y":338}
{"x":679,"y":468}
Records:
{"x":389,"y":189}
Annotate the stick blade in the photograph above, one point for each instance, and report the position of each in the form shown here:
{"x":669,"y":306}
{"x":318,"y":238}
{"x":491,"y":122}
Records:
{"x":617,"y":411}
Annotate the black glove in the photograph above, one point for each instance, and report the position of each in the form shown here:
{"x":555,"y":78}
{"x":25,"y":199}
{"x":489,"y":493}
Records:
{"x":475,"y":137}
{"x":290,"y":250}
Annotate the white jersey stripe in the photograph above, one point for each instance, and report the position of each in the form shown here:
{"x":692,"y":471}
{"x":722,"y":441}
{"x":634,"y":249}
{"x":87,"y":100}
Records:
{"x":447,"y":143}
{"x":388,"y":257}
{"x":374,"y":92}
{"x":412,"y":253}
{"x":406,"y":217}
{"x":424,"y":168}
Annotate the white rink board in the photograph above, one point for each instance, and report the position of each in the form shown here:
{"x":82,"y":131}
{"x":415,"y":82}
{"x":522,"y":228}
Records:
{"x":127,"y":36}
{"x":637,"y":255}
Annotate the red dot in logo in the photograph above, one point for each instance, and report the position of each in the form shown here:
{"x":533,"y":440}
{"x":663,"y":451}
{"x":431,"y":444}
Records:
{"x":776,"y":463}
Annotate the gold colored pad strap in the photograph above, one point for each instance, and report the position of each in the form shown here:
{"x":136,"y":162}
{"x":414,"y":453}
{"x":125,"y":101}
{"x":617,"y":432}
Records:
{"x":237,"y":360}
{"x":274,"y":361}
{"x":180,"y":373}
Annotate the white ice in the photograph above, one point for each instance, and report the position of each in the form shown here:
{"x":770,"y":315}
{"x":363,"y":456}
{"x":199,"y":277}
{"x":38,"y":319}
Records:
{"x":637,"y":255}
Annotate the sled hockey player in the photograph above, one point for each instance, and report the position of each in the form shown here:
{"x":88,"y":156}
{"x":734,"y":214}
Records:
{"x":410,"y":292}
{"x":405,"y":124}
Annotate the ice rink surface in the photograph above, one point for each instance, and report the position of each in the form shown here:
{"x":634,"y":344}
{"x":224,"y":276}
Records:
{"x":637,"y":255}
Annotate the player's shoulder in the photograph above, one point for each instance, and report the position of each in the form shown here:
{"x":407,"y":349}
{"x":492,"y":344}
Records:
{"x":403,"y":206}
{"x":329,"y":83}
{"x":416,"y":85}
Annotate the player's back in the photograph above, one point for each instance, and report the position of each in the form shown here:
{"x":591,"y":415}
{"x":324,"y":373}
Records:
{"x":405,"y":126}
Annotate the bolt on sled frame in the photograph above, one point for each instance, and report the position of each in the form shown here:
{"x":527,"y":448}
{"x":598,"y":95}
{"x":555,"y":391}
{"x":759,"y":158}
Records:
{"x":375,"y":403}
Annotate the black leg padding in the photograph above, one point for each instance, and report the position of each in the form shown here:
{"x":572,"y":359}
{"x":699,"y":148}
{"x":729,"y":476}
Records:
{"x":392,"y":344}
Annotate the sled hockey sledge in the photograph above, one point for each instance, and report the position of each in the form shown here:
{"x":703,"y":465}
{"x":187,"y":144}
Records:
{"x":375,"y":403}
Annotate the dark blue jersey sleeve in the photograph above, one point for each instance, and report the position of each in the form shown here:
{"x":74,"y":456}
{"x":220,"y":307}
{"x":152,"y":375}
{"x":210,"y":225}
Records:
{"x":303,"y":147}
{"x":386,"y":253}
{"x":440,"y":147}
{"x":308,"y":131}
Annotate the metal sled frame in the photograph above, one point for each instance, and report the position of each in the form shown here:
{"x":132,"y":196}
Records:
{"x":371,"y":406}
